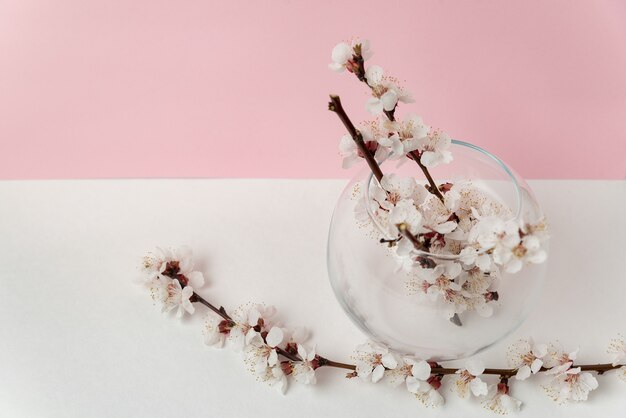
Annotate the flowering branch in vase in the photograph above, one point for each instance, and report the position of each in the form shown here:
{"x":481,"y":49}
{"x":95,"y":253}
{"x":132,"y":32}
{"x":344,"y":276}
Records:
{"x":275,"y":353}
{"x":385,"y":91}
{"x":480,"y":237}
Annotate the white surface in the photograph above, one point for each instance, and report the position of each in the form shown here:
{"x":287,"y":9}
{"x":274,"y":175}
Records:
{"x":78,"y":339}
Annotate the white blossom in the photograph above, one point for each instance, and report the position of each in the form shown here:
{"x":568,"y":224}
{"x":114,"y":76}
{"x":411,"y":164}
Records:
{"x":172,"y":262}
{"x":405,"y":255}
{"x":154,"y":263}
{"x":419,"y":374}
{"x":526,"y":357}
{"x":248,"y":323}
{"x":386,"y":94}
{"x":617,"y":354}
{"x":617,"y":351}
{"x":351,"y":152}
{"x":404,"y":136}
{"x":299,"y":335}
{"x":405,"y":212}
{"x":437,"y":217}
{"x":510,"y":248}
{"x":477,"y":282}
{"x":434,"y":148}
{"x":471,"y":255}
{"x":171,"y":279}
{"x":275,"y":377}
{"x":558,"y":360}
{"x":371,"y":361}
{"x":397,"y":188}
{"x":172,"y":296}
{"x":429,"y":394}
{"x":499,"y":400}
{"x":481,"y":304}
{"x":440,"y":283}
{"x":571,"y":384}
{"x":213,"y":337}
{"x":530,"y":250}
{"x":260,"y":354}
{"x":410,"y":372}
{"x":468,"y":379}
{"x":493,"y":233}
{"x":397,"y":198}
{"x":304,"y":371}
{"x":342,"y":55}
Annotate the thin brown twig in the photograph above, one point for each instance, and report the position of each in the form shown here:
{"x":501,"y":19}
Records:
{"x":436,"y":370}
{"x":221,"y":312}
{"x":433,"y":186}
{"x":335,"y":106}
{"x":404,"y":231}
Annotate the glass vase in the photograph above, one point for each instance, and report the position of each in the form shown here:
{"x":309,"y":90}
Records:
{"x":381,"y":298}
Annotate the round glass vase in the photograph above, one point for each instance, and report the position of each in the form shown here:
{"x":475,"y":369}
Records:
{"x":376,"y":294}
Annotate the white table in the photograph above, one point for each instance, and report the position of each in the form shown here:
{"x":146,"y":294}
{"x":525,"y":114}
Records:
{"x":78,"y":339}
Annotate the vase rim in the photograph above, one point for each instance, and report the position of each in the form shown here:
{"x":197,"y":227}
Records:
{"x":499,"y":162}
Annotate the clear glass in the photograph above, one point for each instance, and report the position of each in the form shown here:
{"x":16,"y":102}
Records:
{"x":373,"y":291}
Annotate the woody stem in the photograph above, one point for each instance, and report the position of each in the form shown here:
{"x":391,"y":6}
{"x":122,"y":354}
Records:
{"x":335,"y":106}
{"x":433,"y":186}
{"x":599,"y":368}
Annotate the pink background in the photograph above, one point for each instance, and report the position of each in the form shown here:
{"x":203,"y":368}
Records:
{"x":239,"y":89}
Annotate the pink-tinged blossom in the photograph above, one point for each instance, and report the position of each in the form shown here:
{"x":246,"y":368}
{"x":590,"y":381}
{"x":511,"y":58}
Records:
{"x":499,"y":400}
{"x":526,"y":357}
{"x":342,"y":55}
{"x":617,"y":351}
{"x":571,"y":384}
{"x":434,"y":148}
{"x":372,"y":360}
{"x":429,"y":394}
{"x":468,"y":381}
{"x":385,"y":92}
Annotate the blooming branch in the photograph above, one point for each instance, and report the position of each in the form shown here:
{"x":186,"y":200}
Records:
{"x":335,"y":106}
{"x":272,"y":352}
{"x":386,"y":94}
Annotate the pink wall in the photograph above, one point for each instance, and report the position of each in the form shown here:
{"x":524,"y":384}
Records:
{"x":238,"y":89}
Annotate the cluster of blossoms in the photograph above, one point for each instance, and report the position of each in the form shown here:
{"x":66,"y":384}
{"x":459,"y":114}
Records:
{"x":250,"y":329}
{"x":386,"y":136}
{"x":273,"y":353}
{"x":170,"y":276}
{"x":420,"y":223}
{"x":423,"y":378}
{"x":467,"y":224}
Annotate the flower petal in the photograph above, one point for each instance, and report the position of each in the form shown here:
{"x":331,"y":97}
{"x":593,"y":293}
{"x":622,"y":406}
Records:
{"x":523,"y":373}
{"x":429,"y":158}
{"x":274,"y":337}
{"x":421,"y":370}
{"x":378,"y":373}
{"x":389,"y":361}
{"x":341,"y":53}
{"x":374,"y":106}
{"x":272,"y":359}
{"x":374,"y":75}
{"x":478,"y":387}
{"x":475,"y":367}
{"x":389,"y":100}
{"x":196,"y":279}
